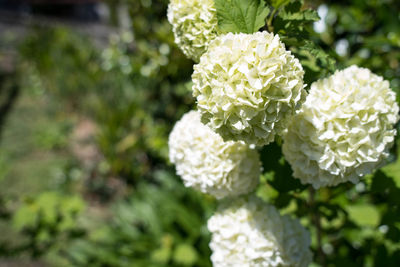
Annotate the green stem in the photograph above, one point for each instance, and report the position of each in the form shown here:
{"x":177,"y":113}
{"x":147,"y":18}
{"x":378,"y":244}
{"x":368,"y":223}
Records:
{"x":316,"y":220}
{"x":270,"y":27}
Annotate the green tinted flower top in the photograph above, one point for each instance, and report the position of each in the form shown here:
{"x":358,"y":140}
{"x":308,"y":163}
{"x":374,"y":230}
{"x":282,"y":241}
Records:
{"x":248,"y":86}
{"x":344,"y":130}
{"x":195,"y":25}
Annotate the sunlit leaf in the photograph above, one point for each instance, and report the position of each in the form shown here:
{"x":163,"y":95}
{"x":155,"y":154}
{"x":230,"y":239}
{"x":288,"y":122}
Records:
{"x":245,"y":16}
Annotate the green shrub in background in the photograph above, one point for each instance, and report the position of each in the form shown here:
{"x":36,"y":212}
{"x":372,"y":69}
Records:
{"x":45,"y":222}
{"x":133,"y":89}
{"x":160,"y":224}
{"x":137,"y":87}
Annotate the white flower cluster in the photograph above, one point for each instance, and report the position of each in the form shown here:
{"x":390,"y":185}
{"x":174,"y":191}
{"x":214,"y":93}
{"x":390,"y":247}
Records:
{"x":250,"y":233}
{"x":195,"y":25}
{"x":344,"y":130}
{"x":248,"y":86}
{"x":207,"y":163}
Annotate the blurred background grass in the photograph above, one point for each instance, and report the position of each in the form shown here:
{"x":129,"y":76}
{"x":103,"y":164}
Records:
{"x":89,"y":92}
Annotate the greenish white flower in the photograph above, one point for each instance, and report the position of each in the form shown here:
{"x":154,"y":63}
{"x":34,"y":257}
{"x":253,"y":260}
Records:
{"x":210,"y":165}
{"x":248,"y":232}
{"x":195,"y":25}
{"x":248,"y":86}
{"x":344,"y":130}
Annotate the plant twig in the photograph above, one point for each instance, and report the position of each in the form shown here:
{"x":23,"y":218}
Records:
{"x":270,"y":27}
{"x":316,"y":220}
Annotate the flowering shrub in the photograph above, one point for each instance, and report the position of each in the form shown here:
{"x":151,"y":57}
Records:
{"x":250,"y":87}
{"x":210,"y":165}
{"x":139,"y":212}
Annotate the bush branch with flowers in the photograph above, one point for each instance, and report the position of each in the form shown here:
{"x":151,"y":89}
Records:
{"x":263,"y":86}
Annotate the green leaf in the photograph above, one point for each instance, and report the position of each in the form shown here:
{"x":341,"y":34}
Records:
{"x":185,"y":254}
{"x":385,"y":187}
{"x":308,"y":15}
{"x":277,"y":171}
{"x":245,"y":16}
{"x":279,"y":3}
{"x":293,"y":6}
{"x":292,"y":21}
{"x":317,"y":62}
{"x":364,"y":215}
{"x":161,"y":255}
{"x":393,"y":170}
{"x":326,"y":60}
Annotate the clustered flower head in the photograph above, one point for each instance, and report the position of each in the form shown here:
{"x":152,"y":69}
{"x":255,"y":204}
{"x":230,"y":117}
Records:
{"x":248,"y":86}
{"x":207,"y":163}
{"x":195,"y":25}
{"x":250,"y":233}
{"x":344,"y":130}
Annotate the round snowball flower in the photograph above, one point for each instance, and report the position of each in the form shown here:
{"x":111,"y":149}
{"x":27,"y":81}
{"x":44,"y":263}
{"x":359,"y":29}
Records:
{"x":252,"y":233}
{"x":248,"y":86}
{"x":195,"y":25}
{"x":344,"y":130}
{"x":210,"y":165}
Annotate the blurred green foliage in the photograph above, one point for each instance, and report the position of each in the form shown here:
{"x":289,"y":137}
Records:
{"x":45,"y":221}
{"x":134,"y":89}
{"x":160,"y":224}
{"x":370,"y":31}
